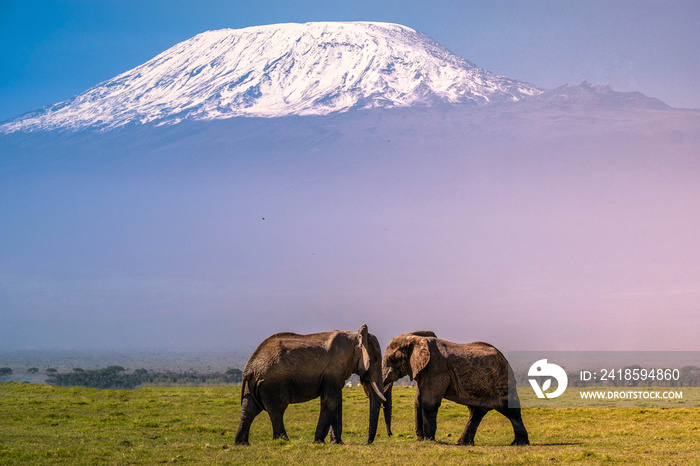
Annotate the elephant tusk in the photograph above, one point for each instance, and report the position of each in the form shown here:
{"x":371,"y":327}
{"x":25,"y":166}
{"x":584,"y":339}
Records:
{"x":376,"y":390}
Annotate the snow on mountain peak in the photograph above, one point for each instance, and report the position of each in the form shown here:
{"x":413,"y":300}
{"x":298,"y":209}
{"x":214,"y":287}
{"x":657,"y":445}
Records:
{"x":277,"y":70}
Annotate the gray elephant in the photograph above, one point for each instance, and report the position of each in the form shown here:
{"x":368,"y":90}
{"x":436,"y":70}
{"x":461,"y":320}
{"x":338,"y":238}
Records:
{"x":472,"y":374}
{"x":289,"y":368}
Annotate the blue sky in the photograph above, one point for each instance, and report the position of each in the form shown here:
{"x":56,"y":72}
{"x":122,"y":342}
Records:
{"x":52,"y":50}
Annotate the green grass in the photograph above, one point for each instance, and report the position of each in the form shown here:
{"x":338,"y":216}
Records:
{"x":196,"y":425}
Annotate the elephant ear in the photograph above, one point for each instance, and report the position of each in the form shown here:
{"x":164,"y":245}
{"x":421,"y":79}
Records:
{"x":363,"y":364}
{"x":420,"y":356}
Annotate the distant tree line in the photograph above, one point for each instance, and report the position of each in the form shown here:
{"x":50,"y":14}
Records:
{"x":116,"y":377}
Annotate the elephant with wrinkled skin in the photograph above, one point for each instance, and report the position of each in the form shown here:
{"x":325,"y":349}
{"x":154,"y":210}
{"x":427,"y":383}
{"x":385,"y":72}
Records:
{"x":289,"y":368}
{"x":472,"y":374}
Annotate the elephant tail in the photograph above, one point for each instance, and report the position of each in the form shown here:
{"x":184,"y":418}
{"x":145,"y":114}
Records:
{"x":243,"y":389}
{"x":250,"y":387}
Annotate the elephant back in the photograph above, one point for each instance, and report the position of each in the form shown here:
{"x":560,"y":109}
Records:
{"x":481,"y":374}
{"x":281,"y":359}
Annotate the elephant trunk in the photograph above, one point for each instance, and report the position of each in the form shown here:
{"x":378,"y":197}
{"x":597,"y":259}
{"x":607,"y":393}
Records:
{"x":387,"y":407}
{"x":375,"y":404}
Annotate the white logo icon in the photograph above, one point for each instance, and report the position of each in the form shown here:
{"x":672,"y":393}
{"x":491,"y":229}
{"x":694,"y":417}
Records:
{"x":543,"y":369}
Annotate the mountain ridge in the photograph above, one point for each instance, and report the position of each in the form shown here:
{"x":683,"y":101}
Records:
{"x":586,"y":94}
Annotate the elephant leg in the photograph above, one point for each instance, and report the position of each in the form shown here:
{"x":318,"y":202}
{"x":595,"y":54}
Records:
{"x":430,"y":411}
{"x":337,"y":426}
{"x":332,"y":434}
{"x":276,"y":414}
{"x":331,"y":404}
{"x":249,"y":410}
{"x":476,"y":414}
{"x":418,"y":413}
{"x":514,"y":415}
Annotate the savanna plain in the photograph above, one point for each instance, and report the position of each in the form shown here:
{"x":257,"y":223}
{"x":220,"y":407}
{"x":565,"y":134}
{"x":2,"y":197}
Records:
{"x":43,"y":424}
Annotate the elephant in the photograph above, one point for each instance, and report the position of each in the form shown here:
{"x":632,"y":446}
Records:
{"x":290,"y":368}
{"x":473,"y":374}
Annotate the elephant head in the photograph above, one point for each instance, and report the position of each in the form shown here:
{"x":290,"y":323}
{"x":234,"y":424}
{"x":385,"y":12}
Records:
{"x":368,"y":355}
{"x":406,"y":355}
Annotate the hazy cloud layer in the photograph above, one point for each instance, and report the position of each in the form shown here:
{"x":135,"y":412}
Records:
{"x":530,"y":228}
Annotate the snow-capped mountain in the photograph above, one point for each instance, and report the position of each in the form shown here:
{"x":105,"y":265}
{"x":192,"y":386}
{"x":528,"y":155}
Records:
{"x":277,"y":70}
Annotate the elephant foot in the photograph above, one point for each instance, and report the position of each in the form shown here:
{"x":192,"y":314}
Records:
{"x":337,"y":442}
{"x":320,"y":441}
{"x":520,"y":441}
{"x":280,"y":437}
{"x":242,"y":442}
{"x":466,"y":443}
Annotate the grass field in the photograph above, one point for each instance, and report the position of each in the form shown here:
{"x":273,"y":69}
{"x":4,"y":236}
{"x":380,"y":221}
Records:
{"x":42,"y":424}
